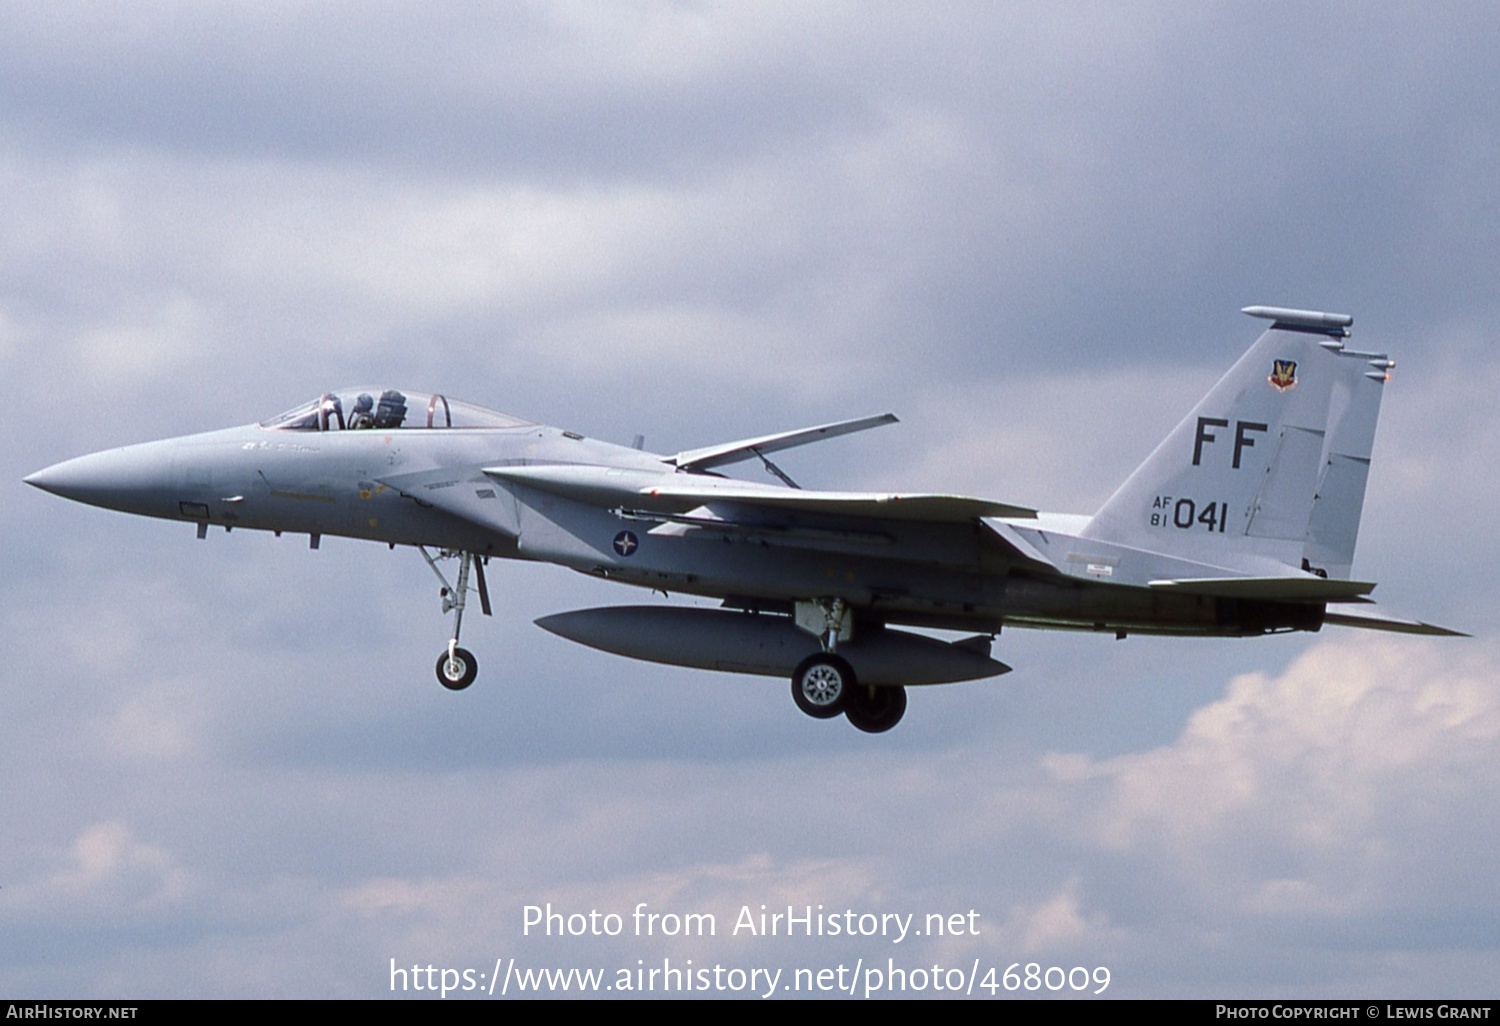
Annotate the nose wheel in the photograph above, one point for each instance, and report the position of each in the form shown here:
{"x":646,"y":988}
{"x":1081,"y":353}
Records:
{"x":457,"y":667}
{"x":456,"y":670}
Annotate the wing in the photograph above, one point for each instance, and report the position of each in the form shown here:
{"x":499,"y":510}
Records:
{"x":683,"y":504}
{"x":734,"y":452}
{"x":644,"y":491}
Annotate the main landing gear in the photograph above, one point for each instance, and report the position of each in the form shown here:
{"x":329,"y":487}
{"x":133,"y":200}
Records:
{"x":457,"y":667}
{"x":825,"y":685}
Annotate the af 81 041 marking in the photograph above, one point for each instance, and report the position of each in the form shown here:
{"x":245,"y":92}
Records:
{"x":1185,"y":514}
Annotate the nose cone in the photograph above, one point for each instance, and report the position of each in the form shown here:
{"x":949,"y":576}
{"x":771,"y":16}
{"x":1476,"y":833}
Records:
{"x":136,"y":479}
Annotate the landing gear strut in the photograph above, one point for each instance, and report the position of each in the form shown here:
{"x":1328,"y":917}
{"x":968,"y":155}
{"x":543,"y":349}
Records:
{"x":457,"y":667}
{"x":830,"y":620}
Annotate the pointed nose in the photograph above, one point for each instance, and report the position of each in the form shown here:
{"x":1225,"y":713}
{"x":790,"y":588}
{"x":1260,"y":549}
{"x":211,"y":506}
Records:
{"x":59,"y":479}
{"x":136,"y":479}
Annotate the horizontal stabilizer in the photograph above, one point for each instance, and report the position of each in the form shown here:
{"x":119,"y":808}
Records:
{"x":734,"y":452}
{"x":1272,"y":589}
{"x":1370,"y":618}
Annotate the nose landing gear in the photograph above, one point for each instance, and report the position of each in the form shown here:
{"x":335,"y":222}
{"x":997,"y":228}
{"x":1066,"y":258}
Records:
{"x":457,"y":667}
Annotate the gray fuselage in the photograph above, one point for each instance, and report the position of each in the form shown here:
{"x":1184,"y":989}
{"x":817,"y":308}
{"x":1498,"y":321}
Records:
{"x":429,"y":486}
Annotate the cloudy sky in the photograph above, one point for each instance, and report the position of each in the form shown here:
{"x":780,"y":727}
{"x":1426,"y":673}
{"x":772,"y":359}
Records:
{"x":225,"y":768}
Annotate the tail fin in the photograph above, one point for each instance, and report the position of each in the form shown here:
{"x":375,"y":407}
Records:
{"x":1270,"y":465}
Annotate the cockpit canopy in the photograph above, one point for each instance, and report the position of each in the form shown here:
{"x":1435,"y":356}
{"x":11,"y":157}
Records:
{"x":354,"y":409}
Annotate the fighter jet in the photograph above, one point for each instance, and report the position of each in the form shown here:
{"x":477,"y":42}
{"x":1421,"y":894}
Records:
{"x":1243,"y":522}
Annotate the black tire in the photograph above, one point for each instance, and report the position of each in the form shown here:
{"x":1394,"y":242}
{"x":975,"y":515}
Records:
{"x":819,"y":684}
{"x":460,"y":673}
{"x":875,"y":710}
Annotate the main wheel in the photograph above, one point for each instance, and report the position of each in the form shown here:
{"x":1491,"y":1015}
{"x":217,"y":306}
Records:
{"x":459,"y":672}
{"x":875,"y":710}
{"x":819,"y":684}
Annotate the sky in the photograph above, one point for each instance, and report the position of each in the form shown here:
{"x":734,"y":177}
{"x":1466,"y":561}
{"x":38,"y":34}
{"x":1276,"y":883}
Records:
{"x":226,"y":769}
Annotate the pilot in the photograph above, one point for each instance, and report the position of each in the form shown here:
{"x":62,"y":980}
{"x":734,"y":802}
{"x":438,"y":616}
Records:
{"x":361,"y":417}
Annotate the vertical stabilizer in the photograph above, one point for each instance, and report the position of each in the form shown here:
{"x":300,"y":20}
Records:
{"x":1271,"y":465}
{"x":1354,"y":408}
